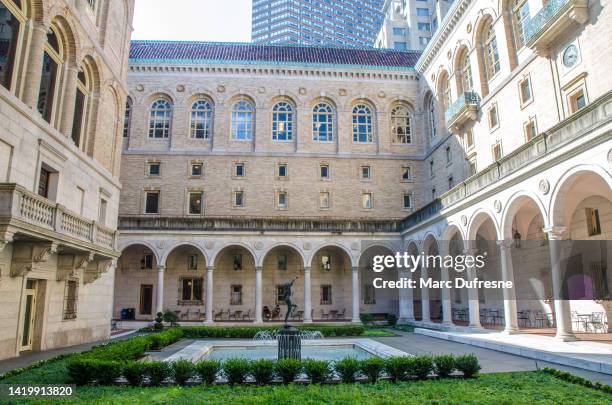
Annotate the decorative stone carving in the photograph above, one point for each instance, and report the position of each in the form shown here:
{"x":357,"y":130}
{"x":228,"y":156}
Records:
{"x":342,"y":92}
{"x":139,"y":87}
{"x":463,"y":220}
{"x":306,"y":246}
{"x":68,"y":266}
{"x":210,"y":245}
{"x":161,"y":244}
{"x":381,"y":94}
{"x":221,"y":88}
{"x":355,"y":246}
{"x":95,"y":269}
{"x":498,"y":206}
{"x":302,"y":91}
{"x":449,"y":54}
{"x":180,"y":88}
{"x":544,"y":186}
{"x":258,"y":245}
{"x":261,"y":90}
{"x":610,"y":156}
{"x":25,"y":255}
{"x":469,"y":28}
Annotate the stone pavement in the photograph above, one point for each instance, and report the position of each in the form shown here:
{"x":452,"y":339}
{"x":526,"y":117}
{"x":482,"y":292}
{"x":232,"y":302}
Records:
{"x":492,"y":361}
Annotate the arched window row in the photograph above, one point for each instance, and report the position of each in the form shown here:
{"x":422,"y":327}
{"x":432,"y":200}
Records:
{"x":242,"y":115}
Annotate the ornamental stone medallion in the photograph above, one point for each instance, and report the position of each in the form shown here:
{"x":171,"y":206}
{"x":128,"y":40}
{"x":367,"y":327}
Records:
{"x":258,"y":245}
{"x":544,"y":187}
{"x":498,"y":206}
{"x":306,"y":246}
{"x":210,"y":245}
{"x":221,"y":88}
{"x":463,"y":220}
{"x":180,"y":88}
{"x":610,"y":156}
{"x":140,"y":87}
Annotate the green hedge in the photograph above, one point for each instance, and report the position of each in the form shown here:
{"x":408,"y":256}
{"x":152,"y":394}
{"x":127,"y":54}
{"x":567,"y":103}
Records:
{"x":248,"y":332}
{"x":578,"y":380}
{"x":237,"y":370}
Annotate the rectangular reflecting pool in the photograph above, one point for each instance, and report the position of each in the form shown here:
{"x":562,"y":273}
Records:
{"x":318,"y":352}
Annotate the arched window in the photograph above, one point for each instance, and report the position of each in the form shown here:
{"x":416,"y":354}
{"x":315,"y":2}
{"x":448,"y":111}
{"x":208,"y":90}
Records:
{"x":400,"y":125}
{"x":53,"y":58}
{"x":491,"y":53}
{"x":282,"y":122}
{"x":445,"y":93}
{"x":323,"y":123}
{"x":242,"y":120}
{"x":431,"y":115}
{"x":81,"y":106}
{"x":11,"y":20}
{"x":127,"y":118}
{"x":362,"y":123}
{"x":160,"y":119}
{"x":520,"y":17}
{"x":467,"y":83}
{"x":201,"y":120}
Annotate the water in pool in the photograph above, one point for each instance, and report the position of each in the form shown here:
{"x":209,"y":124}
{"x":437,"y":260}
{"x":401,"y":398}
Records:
{"x":271,"y":352}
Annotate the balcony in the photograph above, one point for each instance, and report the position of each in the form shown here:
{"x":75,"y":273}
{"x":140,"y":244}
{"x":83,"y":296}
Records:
{"x":463,"y":110}
{"x":32,"y":216}
{"x":551,"y":21}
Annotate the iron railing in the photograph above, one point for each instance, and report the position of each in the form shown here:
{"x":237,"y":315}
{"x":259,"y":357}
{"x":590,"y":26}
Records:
{"x":465,"y":100}
{"x":548,"y":13}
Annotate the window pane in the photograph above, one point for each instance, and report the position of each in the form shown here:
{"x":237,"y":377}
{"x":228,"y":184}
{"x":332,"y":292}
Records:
{"x":9,"y":31}
{"x":195,"y":203}
{"x":152,"y":203}
{"x":47,"y":87}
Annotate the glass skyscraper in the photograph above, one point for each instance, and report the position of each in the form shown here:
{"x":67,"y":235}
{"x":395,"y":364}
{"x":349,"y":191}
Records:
{"x":317,"y":22}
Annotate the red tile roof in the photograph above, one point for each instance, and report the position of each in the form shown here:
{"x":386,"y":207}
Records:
{"x":201,"y":52}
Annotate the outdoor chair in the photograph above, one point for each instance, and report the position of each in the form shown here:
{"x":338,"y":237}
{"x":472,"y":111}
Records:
{"x":324,"y":315}
{"x":597,"y":322}
{"x":185,"y":316}
{"x":341,"y":314}
{"x":247,"y":316}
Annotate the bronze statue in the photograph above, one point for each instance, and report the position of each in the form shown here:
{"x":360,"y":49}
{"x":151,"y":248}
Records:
{"x":287,"y":299}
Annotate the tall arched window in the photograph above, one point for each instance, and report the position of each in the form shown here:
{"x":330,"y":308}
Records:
{"x":160,"y":119}
{"x":53,"y":58}
{"x":431,"y":115}
{"x":362,"y":123}
{"x":323,"y":123}
{"x":491,"y":53}
{"x":11,"y":20}
{"x":282,"y":121}
{"x":400,"y":125}
{"x":201,"y":120}
{"x":467,"y":83}
{"x":242,"y":120}
{"x":81,"y":105}
{"x":127,"y":118}
{"x":520,"y":17}
{"x":446,"y":93}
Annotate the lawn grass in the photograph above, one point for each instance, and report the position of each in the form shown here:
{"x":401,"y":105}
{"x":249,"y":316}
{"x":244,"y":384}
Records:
{"x":377,"y":333}
{"x":503,"y":388}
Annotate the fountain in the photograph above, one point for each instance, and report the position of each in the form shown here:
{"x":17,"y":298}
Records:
{"x":289,"y":339}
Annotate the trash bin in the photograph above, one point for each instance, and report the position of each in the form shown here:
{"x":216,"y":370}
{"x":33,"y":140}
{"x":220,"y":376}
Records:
{"x":124,"y":314}
{"x":131,"y":313}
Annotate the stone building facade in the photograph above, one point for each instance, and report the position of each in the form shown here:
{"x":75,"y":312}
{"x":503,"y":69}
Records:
{"x":63,"y":67}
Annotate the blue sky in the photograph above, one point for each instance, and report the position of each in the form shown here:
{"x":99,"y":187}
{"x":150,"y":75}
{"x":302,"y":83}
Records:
{"x":198,"y":20}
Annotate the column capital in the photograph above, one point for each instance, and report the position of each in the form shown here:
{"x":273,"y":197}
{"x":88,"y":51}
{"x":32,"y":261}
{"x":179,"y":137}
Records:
{"x":555,"y":232}
{"x":307,"y":269}
{"x":258,"y":268}
{"x":355,"y":269}
{"x":504,"y":244}
{"x":161,"y":267}
{"x":210,"y":268}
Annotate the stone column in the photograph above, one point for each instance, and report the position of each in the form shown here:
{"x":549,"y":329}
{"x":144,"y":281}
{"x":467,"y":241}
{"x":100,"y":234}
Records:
{"x":447,"y":314}
{"x":69,"y":101}
{"x":406,"y":304}
{"x":425,"y":310}
{"x":159,"y":304}
{"x":473,"y":301}
{"x":307,"y":296}
{"x":355,"y":311}
{"x":33,"y":72}
{"x":507,"y":273}
{"x":209,"y":295}
{"x":258,"y":301}
{"x":563,"y":315}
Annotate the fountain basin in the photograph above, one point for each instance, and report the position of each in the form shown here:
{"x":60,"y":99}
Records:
{"x":321,"y":349}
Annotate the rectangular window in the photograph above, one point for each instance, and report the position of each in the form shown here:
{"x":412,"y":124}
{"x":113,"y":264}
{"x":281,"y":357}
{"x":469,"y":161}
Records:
{"x":71,"y":296}
{"x":400,"y":46}
{"x":369,"y":294}
{"x":154,"y":169}
{"x":530,"y":130}
{"x":237,"y":262}
{"x":239,"y":170}
{"x":423,"y":26}
{"x":191,"y":289}
{"x":197,"y":169}
{"x":448,"y":154}
{"x":195,"y":203}
{"x":281,"y":261}
{"x":192,"y":262}
{"x":236,"y":294}
{"x":423,"y":41}
{"x":43,"y":182}
{"x":451,"y":182}
{"x":46,"y":93}
{"x":577,"y":101}
{"x":102,"y":212}
{"x":469,"y":139}
{"x":432,"y":171}
{"x":325,"y":263}
{"x":324,"y":199}
{"x":433,"y":193}
{"x":324,"y":171}
{"x":422,"y":12}
{"x":326,"y":295}
{"x":497,"y":152}
{"x":525,"y":90}
{"x":282,"y":199}
{"x":406,"y":174}
{"x":280,"y":294}
{"x":239,"y":199}
{"x":407,"y":201}
{"x":493,"y":117}
{"x":399,"y":31}
{"x":592,"y":220}
{"x":366,"y":201}
{"x":146,"y":263}
{"x":282,"y":170}
{"x":472,"y":168}
{"x":152,"y":202}
{"x":366,"y":172}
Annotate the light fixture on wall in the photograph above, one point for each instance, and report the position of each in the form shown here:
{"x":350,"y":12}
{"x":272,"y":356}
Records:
{"x":516,"y":236}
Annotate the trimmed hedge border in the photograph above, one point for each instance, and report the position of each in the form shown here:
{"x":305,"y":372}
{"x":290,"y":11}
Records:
{"x":264,"y":372}
{"x":248,"y":332}
{"x":562,"y":375}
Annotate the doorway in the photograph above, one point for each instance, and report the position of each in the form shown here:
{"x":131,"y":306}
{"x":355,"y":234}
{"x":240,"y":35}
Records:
{"x":29,"y":320}
{"x":146,"y":299}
